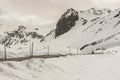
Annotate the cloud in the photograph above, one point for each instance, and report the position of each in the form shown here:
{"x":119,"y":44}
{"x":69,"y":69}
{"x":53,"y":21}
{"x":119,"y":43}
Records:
{"x":9,"y":18}
{"x":46,"y":9}
{"x":51,"y":10}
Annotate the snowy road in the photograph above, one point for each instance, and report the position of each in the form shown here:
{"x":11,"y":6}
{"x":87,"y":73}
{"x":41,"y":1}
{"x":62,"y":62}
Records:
{"x":83,"y":67}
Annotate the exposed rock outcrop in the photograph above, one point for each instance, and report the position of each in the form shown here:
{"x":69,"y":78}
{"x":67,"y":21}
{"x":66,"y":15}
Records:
{"x":66,"y":22}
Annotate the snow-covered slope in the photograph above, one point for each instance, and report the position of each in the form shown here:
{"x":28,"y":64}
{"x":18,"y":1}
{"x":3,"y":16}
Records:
{"x":93,"y":25}
{"x":84,"y":67}
{"x":33,"y":29}
{"x":87,"y":30}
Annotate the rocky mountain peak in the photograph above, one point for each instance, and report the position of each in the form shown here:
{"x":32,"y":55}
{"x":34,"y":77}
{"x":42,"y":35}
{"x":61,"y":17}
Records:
{"x":66,"y":22}
{"x":20,"y":35}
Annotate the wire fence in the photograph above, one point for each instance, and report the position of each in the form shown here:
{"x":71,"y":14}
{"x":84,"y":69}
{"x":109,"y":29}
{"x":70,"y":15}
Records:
{"x":33,"y":51}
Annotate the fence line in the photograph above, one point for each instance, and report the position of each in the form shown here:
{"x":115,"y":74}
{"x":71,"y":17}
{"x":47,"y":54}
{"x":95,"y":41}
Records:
{"x":32,"y":54}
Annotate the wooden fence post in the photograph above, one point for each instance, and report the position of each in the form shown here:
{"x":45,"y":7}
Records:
{"x":31,"y":49}
{"x":48,"y":50}
{"x":5,"y":51}
{"x":77,"y":50}
{"x":32,"y":45}
{"x":69,"y":50}
{"x":102,"y":50}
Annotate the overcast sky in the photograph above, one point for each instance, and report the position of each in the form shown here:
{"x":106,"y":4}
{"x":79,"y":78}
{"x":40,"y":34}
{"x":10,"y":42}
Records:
{"x":52,"y":9}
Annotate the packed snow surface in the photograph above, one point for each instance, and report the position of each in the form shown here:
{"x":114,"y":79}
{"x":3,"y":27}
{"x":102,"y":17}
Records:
{"x":81,"y":67}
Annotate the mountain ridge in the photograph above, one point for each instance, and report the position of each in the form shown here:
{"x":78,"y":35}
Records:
{"x":90,"y":28}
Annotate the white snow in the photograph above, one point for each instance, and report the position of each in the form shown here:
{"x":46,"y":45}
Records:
{"x":80,"y":35}
{"x":81,"y":67}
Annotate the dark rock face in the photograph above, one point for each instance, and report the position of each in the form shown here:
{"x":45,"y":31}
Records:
{"x":66,"y":22}
{"x":117,"y":15}
{"x":20,"y":36}
{"x":84,"y":21}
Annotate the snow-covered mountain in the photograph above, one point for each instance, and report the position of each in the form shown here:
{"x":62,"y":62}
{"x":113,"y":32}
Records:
{"x":17,"y":29}
{"x":21,"y":35}
{"x":91,"y":29}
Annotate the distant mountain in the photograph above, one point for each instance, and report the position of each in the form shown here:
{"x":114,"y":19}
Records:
{"x":90,"y":30}
{"x":87,"y":29}
{"x":20,"y":35}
